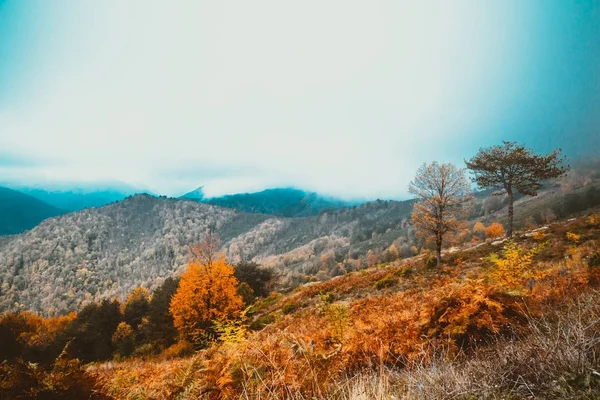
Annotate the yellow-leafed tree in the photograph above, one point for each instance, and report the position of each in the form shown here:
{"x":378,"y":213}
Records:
{"x":207,"y":292}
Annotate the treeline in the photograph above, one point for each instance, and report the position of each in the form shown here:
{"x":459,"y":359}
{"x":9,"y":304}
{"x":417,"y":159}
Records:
{"x":143,"y":325}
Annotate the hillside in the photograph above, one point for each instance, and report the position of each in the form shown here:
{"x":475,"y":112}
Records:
{"x":285,"y":202}
{"x":405,"y":330}
{"x":499,"y":319}
{"x":105,"y":252}
{"x":20,"y":212}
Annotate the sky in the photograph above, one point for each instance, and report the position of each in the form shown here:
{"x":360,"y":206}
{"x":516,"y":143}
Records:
{"x":346,"y":98}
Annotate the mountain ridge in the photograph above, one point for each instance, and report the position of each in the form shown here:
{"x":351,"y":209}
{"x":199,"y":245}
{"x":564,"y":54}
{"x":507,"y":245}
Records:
{"x":20,"y":212}
{"x":285,"y":201}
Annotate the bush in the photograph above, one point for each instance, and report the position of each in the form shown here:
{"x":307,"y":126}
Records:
{"x":430,"y":261}
{"x":494,"y":230}
{"x":594,"y":260}
{"x":573,"y":237}
{"x":327,"y":297}
{"x":180,"y":349}
{"x":262,"y":321}
{"x":289,"y":307}
{"x":386,"y":282}
{"x":405,"y":272}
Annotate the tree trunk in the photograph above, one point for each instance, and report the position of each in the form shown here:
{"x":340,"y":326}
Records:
{"x":511,"y":210}
{"x":438,"y":253}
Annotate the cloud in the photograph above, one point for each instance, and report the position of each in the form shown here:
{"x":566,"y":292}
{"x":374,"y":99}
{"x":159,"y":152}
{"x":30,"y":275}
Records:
{"x":344,"y":97}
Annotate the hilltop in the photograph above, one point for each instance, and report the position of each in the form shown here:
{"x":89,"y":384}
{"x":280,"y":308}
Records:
{"x":284,"y":202}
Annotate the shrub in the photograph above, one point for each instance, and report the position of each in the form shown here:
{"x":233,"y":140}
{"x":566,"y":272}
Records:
{"x":594,"y":260}
{"x":289,"y":307}
{"x":327,"y":297}
{"x":573,"y":237}
{"x":386,"y":282}
{"x":405,"y":272}
{"x":514,"y":266}
{"x":339,"y":321}
{"x":262,"y":321}
{"x":180,"y":349}
{"x":494,"y":230}
{"x":479,"y":229}
{"x":429,"y":260}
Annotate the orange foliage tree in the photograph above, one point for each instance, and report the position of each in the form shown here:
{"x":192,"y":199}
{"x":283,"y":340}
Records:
{"x":207,"y":292}
{"x":443,"y":194}
{"x":494,"y":230}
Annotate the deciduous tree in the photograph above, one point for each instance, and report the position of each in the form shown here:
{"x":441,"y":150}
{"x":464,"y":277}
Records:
{"x":207,"y":292}
{"x":511,"y":166}
{"x":257,"y":277}
{"x":136,"y":307}
{"x":442,"y":191}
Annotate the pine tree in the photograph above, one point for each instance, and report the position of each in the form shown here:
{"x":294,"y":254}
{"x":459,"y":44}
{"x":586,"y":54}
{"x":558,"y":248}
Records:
{"x":511,"y":167}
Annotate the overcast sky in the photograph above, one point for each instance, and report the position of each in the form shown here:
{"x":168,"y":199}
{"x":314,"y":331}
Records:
{"x":342,"y":97}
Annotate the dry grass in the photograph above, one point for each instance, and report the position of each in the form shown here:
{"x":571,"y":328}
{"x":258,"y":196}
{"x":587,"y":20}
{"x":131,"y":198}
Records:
{"x":447,"y":333}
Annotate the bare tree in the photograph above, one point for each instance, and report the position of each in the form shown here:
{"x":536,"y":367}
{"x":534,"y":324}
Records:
{"x":510,"y":166}
{"x":443,"y":194}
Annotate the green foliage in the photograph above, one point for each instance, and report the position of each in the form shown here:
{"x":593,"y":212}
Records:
{"x":123,"y":339}
{"x":10,"y":348}
{"x":160,"y":320}
{"x":429,"y":260}
{"x":255,"y":276}
{"x":405,"y":272}
{"x":246,"y":293}
{"x":92,"y":331}
{"x":328,"y":297}
{"x":262,"y":321}
{"x":135,"y":312}
{"x":513,"y":168}
{"x":594,"y":260}
{"x":289,"y":307}
{"x":387,"y":281}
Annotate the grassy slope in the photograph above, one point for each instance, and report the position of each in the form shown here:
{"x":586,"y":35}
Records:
{"x":406,"y":330}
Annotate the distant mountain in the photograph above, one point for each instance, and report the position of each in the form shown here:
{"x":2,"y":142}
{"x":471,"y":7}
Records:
{"x":19,"y":211}
{"x":285,"y":202}
{"x":105,"y":252}
{"x":197,"y":194}
{"x":74,"y":197}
